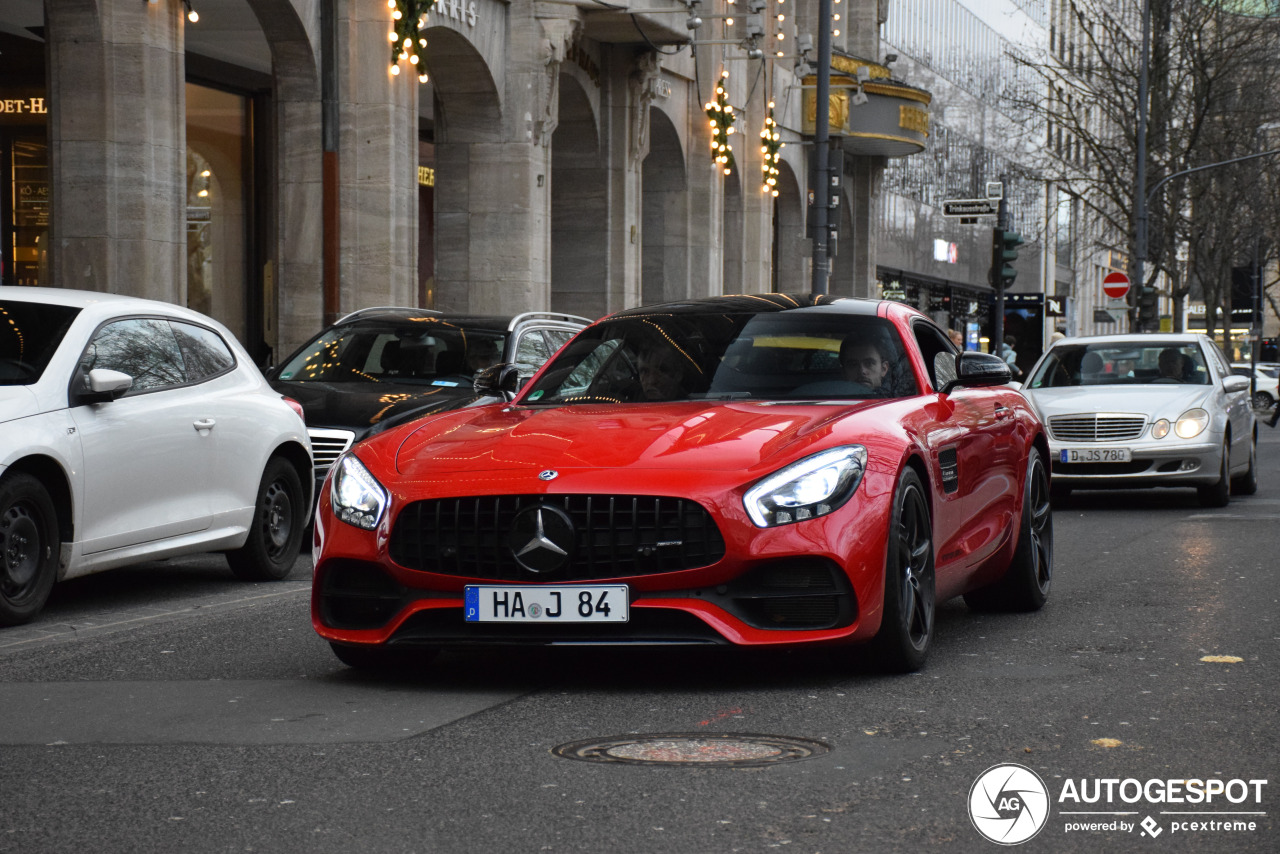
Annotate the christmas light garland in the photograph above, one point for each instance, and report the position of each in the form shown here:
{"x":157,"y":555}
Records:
{"x":770,"y":147}
{"x":408,"y":17}
{"x":720,"y":114}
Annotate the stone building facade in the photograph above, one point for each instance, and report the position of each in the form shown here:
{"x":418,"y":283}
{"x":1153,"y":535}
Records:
{"x":265,"y":165}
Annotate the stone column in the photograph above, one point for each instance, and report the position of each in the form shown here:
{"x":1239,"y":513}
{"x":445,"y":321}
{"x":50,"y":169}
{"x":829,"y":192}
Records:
{"x":118,"y":148}
{"x":378,"y":164}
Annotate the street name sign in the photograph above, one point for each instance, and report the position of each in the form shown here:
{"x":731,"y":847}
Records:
{"x":971,"y":207}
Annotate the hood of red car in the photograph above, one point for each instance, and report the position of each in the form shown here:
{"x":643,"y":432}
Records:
{"x":693,"y":436}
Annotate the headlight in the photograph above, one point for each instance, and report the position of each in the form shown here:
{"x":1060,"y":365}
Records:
{"x":357,"y":497}
{"x":1160,"y":429}
{"x":812,"y":487}
{"x":1191,"y":423}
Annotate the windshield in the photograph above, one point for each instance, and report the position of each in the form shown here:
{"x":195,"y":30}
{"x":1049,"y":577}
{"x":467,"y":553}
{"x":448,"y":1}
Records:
{"x":30,"y":333}
{"x":441,"y":355}
{"x":1121,"y":364}
{"x":775,"y":356}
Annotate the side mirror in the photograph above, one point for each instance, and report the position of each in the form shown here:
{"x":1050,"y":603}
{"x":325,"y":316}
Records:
{"x":1233,"y":384}
{"x":975,"y":370}
{"x":500,"y":380}
{"x":102,"y":385}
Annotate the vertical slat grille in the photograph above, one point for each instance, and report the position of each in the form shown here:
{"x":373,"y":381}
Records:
{"x":327,"y":446}
{"x":615,"y":536}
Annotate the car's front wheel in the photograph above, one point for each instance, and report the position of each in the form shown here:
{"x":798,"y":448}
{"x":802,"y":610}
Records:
{"x":906,"y":628}
{"x":275,"y":534}
{"x":29,"y":547}
{"x":1219,"y":494}
{"x":1025,"y":585}
{"x":1262,"y":401}
{"x":1247,"y":483}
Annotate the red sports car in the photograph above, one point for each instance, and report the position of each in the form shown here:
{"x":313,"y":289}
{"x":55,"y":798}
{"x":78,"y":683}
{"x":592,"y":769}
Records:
{"x":753,"y":470}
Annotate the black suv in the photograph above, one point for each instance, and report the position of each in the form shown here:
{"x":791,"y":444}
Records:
{"x":382,"y":366}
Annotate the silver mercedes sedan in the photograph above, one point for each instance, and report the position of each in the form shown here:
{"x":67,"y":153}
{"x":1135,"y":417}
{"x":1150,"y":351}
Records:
{"x":1141,"y":410}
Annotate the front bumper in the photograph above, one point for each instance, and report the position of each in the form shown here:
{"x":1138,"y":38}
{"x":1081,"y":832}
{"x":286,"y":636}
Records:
{"x":1151,"y":464}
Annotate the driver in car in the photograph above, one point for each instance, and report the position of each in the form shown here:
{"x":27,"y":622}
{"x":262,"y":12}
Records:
{"x":863,"y":361}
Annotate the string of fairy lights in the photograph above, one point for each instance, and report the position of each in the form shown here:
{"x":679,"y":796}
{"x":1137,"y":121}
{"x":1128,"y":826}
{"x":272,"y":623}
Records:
{"x":408,"y":17}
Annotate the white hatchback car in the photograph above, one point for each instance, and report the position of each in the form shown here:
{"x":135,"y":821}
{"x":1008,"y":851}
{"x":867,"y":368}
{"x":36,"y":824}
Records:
{"x":132,"y":430}
{"x":1267,"y":382}
{"x":1129,"y":411}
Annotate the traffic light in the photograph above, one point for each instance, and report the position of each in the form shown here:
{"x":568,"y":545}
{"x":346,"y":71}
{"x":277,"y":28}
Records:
{"x":1148,"y":307}
{"x":1004,"y":251}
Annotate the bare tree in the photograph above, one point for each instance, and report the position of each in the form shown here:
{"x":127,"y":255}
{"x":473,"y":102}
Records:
{"x":1212,"y":84}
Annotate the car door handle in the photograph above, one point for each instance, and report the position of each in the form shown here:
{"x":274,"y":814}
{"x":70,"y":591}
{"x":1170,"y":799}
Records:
{"x":204,"y":424}
{"x":1003,"y":412}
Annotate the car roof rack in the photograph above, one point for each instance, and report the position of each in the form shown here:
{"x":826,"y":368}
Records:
{"x":388,"y":309}
{"x":546,"y":315}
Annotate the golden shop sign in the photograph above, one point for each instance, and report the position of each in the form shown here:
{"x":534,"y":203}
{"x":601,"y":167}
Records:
{"x":23,"y":108}
{"x":871,"y":112}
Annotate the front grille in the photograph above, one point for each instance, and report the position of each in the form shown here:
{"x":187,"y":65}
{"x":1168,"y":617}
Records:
{"x":614,"y":536}
{"x":326,"y":447}
{"x":1097,"y":427}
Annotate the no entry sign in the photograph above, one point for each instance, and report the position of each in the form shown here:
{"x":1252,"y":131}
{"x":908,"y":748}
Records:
{"x":1115,"y":285}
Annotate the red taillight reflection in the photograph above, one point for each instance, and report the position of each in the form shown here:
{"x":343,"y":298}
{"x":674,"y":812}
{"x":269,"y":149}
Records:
{"x":294,"y":405}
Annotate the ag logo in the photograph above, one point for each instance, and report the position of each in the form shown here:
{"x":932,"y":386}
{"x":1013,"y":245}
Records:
{"x":1008,"y":804}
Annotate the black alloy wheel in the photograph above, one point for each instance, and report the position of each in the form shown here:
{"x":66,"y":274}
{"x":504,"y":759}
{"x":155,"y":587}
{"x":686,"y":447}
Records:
{"x":29,"y":547}
{"x":906,"y":629}
{"x":1247,"y":483}
{"x":1025,"y":585}
{"x":1219,"y":494}
{"x":275,"y":534}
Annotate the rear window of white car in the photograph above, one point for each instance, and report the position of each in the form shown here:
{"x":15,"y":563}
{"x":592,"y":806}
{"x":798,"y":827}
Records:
{"x":30,"y":333}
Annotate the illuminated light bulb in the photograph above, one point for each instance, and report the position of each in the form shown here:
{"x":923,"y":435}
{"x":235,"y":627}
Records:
{"x":395,"y":69}
{"x":724,"y":73}
{"x":193,"y":16}
{"x":205,"y":174}
{"x":835,"y":32}
{"x":771,"y":107}
{"x":422,"y":78}
{"x":413,"y":60}
{"x":775,"y":194}
{"x":835,"y":17}
{"x":391,"y":4}
{"x":726,"y":170}
{"x":781,"y":36}
{"x":729,"y":21}
{"x":203,"y":194}
{"x":397,"y":15}
{"x":422,"y":42}
{"x":779,"y":53}
{"x":781,"y":18}
{"x":408,"y":43}
{"x":391,"y":36}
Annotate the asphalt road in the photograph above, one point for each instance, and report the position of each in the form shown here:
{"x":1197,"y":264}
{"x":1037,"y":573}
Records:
{"x":169,"y":708}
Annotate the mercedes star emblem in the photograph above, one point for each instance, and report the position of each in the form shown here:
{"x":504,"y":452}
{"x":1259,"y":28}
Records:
{"x":548,"y":474}
{"x":541,"y":538}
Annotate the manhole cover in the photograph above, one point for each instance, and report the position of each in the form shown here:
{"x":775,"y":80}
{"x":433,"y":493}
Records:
{"x":714,"y":750}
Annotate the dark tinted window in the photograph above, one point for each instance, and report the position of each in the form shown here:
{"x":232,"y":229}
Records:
{"x":204,"y":353}
{"x":29,"y":336}
{"x":774,"y":356}
{"x":144,"y":348}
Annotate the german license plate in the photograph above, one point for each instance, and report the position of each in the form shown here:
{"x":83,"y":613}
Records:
{"x":1095,"y":455}
{"x":594,"y":603}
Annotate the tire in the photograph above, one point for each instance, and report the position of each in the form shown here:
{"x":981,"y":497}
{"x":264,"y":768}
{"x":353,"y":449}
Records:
{"x":906,"y":629}
{"x":1025,"y":585}
{"x":1247,"y":483}
{"x":379,"y":659}
{"x":1218,"y":495}
{"x":275,"y":534}
{"x":1262,"y":401}
{"x":29,"y":548}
